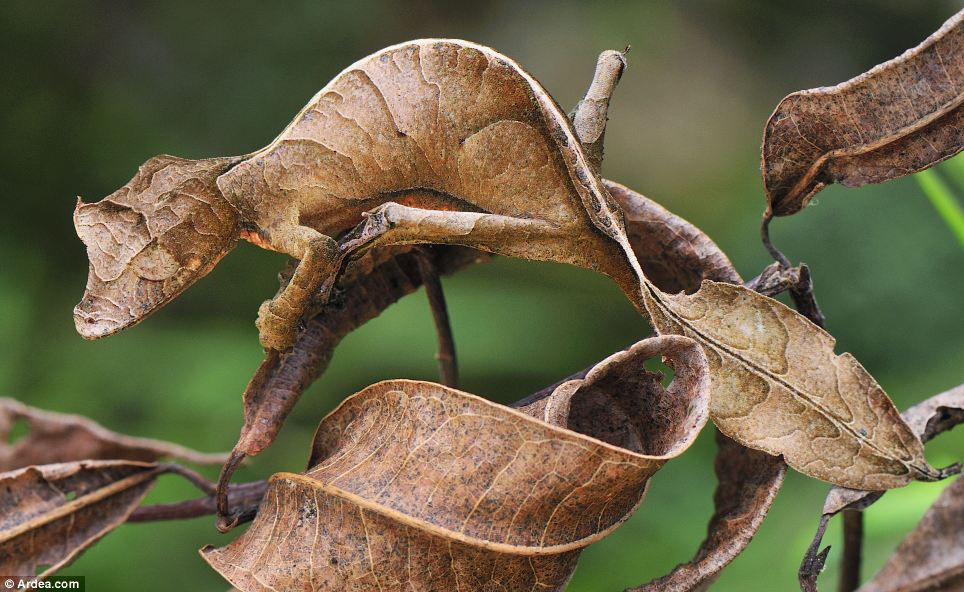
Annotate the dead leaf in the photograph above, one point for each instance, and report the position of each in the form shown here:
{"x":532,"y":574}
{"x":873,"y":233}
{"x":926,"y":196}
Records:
{"x":931,"y":557}
{"x":416,"y":484}
{"x":677,"y":256}
{"x":52,"y":513}
{"x":899,"y":118}
{"x":58,"y":438}
{"x":779,"y":387}
{"x":749,"y":481}
{"x":927,"y":419}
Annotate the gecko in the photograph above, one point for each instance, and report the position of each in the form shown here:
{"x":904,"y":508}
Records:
{"x":429,"y":141}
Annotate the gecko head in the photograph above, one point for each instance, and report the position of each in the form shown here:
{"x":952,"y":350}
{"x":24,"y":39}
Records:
{"x":151,"y":239}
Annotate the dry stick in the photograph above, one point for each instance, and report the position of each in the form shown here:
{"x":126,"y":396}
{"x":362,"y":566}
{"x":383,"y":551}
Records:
{"x":447,"y":361}
{"x":802,"y":293}
{"x":852,"y":548}
{"x":245,"y":498}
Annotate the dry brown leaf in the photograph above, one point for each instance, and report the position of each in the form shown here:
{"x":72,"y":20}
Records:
{"x":779,"y":387}
{"x":58,"y":438}
{"x":927,"y":419}
{"x":749,"y":481}
{"x":677,"y":256}
{"x":52,"y":513}
{"x":931,"y":557}
{"x":415,"y":484}
{"x":896,"y":119}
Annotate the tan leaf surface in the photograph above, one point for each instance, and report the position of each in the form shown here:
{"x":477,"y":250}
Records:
{"x":931,"y":557}
{"x":779,"y":387}
{"x":58,"y":438}
{"x":927,"y":419}
{"x":413,"y":484}
{"x":896,"y":119}
{"x":50,"y":514}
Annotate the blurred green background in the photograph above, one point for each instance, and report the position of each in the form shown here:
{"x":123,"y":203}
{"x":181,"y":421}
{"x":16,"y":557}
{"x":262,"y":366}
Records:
{"x":92,"y":89}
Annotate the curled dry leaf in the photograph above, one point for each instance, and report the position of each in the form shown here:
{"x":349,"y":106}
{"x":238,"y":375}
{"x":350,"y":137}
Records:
{"x":749,"y":481}
{"x":927,"y":419}
{"x":932,"y":555}
{"x":57,"y":438}
{"x":677,"y":256}
{"x":896,"y":119}
{"x":413,"y":484}
{"x":52,"y":513}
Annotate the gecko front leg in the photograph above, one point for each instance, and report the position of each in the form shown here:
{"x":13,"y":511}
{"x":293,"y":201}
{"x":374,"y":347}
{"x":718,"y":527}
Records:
{"x":318,"y":261}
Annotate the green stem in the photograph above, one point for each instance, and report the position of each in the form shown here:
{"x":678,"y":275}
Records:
{"x":943,"y":201}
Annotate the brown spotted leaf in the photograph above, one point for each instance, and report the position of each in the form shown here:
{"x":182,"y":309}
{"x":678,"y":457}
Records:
{"x":677,"y":256}
{"x":779,"y":387}
{"x":927,"y":419}
{"x":58,"y":438}
{"x":931,"y":557}
{"x":52,"y":513}
{"x":896,"y":119}
{"x":412,"y":484}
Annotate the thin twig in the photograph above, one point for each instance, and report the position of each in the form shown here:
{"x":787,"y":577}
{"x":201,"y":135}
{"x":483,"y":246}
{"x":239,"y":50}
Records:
{"x":198,"y":480}
{"x":447,"y":361}
{"x":765,"y":235}
{"x":853,"y":542}
{"x":245,"y":498}
{"x":814,"y":559}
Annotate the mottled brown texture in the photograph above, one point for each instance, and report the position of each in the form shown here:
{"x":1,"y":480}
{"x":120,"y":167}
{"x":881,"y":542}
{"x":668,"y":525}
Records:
{"x":674,"y":254}
{"x":151,"y":239}
{"x":415,"y":485}
{"x":59,"y":438}
{"x":50,"y":514}
{"x":931,"y":557}
{"x":896,"y":119}
{"x":779,"y":387}
{"x":927,"y":419}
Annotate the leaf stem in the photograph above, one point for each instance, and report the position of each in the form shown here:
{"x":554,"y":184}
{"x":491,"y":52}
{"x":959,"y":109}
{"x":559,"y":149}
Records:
{"x":447,"y":360}
{"x":853,"y":542}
